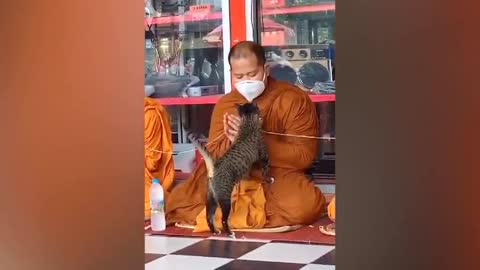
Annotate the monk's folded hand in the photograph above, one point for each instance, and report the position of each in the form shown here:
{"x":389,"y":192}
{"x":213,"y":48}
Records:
{"x":231,"y":125}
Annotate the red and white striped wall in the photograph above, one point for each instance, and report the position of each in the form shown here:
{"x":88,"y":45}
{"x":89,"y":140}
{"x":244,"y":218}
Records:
{"x":237,"y":26}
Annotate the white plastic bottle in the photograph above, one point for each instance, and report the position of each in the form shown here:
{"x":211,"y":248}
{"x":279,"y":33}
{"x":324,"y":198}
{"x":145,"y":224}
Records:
{"x":157,"y":219}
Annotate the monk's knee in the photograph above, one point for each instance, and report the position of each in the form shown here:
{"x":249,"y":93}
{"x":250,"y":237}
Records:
{"x":312,"y":207}
{"x":295,"y":201}
{"x":308,"y":215}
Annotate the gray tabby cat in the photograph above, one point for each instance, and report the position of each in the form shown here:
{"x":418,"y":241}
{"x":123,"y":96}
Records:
{"x":249,"y":149}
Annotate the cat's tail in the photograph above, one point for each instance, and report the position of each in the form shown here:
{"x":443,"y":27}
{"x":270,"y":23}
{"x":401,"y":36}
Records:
{"x":209,"y":161}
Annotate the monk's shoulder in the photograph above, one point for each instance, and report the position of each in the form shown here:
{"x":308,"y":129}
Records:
{"x":227,"y":98}
{"x":151,"y":107}
{"x":226,"y":102}
{"x":291,"y":94}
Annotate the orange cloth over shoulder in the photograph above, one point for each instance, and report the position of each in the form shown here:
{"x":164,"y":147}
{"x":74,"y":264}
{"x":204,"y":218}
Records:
{"x":292,"y":199}
{"x":157,"y":138}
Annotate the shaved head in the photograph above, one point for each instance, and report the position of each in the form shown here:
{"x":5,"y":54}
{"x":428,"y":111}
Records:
{"x":247,"y":49}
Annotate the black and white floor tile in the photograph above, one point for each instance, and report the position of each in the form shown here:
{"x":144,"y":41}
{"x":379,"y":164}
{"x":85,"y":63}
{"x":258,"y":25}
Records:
{"x":179,"y":253}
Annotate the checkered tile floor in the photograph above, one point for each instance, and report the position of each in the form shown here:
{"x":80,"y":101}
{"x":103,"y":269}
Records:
{"x":178,"y":253}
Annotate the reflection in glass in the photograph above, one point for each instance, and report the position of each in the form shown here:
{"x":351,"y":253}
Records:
{"x":183,"y":48}
{"x":299,"y":39}
{"x":299,"y":36}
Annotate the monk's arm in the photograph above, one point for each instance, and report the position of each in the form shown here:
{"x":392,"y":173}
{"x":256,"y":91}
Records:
{"x":298,"y":116}
{"x":218,"y":142}
{"x":153,"y":131}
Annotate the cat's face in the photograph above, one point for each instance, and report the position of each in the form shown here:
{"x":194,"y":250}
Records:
{"x":250,"y":111}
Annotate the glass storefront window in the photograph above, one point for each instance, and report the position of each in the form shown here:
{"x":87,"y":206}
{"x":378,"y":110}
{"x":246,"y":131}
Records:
{"x":299,"y":37}
{"x":300,"y":40}
{"x":183,"y":48}
{"x":184,"y":56}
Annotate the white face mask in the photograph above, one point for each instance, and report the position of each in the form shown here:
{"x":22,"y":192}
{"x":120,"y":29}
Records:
{"x":251,"y":89}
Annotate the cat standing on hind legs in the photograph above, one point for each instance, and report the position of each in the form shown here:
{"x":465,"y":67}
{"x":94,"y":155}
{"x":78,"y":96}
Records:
{"x":248,"y":149}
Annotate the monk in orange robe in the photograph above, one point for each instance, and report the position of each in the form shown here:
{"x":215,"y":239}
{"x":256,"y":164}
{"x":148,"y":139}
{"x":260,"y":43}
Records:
{"x":292,"y":199}
{"x":158,"y":149}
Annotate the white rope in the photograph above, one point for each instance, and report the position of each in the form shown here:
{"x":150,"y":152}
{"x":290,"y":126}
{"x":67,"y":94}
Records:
{"x":328,"y":138}
{"x":268,"y":132}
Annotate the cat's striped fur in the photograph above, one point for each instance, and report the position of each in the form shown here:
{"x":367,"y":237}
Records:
{"x":248,"y":149}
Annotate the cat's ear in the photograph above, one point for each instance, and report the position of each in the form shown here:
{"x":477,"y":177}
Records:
{"x":255,"y":108}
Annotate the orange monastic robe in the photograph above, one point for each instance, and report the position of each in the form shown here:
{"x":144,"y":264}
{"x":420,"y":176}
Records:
{"x":332,"y":209}
{"x":157,"y":138}
{"x":292,"y":199}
